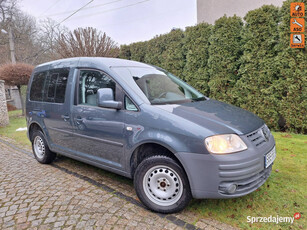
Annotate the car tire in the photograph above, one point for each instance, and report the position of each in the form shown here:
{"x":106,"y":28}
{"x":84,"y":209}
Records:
{"x":162,"y":185}
{"x":40,"y":148}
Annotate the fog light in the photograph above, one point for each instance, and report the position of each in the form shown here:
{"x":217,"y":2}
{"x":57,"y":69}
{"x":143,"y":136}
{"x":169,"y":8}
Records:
{"x":232,"y":188}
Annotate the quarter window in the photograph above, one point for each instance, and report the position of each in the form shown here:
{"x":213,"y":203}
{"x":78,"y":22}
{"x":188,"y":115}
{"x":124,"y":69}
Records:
{"x":37,"y":87}
{"x":129,"y":105}
{"x":89,"y":83}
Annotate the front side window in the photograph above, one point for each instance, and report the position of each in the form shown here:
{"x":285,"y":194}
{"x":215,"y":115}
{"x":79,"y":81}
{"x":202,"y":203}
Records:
{"x":89,"y":83}
{"x":37,"y":87}
{"x":158,"y":86}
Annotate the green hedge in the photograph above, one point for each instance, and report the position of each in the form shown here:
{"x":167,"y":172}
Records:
{"x":253,"y":91}
{"x":225,"y":51}
{"x":248,"y":64}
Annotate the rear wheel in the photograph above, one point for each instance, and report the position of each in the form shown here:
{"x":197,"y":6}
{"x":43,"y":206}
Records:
{"x":40,"y":148}
{"x":162,"y":185}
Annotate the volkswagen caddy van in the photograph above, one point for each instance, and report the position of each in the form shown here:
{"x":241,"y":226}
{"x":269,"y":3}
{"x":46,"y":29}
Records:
{"x":143,"y":122}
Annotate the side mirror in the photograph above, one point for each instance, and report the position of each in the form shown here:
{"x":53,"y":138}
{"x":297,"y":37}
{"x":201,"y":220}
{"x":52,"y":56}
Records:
{"x":106,"y":99}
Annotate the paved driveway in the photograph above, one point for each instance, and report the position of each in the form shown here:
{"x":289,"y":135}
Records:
{"x":72,"y":195}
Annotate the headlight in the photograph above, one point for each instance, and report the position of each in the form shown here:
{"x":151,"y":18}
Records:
{"x":226,"y":143}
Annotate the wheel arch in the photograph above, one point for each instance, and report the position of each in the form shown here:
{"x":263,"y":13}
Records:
{"x":32,"y":127}
{"x":151,"y":148}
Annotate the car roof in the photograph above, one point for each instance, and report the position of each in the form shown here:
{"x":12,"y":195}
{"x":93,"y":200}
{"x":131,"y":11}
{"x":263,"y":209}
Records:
{"x":91,"y":62}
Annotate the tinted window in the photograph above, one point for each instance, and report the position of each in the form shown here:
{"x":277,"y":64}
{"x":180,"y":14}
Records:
{"x":56,"y":86}
{"x":89,"y":83}
{"x":37,"y":87}
{"x":51,"y":86}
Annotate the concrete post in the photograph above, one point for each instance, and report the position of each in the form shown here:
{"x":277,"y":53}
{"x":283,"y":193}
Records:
{"x":4,"y":116}
{"x":12,"y":45}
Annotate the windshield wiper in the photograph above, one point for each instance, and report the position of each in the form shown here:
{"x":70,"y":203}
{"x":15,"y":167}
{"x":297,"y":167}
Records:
{"x":200,"y":99}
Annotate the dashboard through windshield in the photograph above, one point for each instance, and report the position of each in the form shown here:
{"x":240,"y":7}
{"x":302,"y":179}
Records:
{"x":159,"y":87}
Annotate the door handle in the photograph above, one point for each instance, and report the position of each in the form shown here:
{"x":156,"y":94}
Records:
{"x":65,"y":117}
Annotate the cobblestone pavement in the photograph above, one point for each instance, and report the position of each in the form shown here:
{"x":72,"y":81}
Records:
{"x":72,"y":195}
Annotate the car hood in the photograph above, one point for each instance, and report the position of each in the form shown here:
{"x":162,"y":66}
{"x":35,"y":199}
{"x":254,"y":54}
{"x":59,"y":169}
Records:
{"x":216,"y":116}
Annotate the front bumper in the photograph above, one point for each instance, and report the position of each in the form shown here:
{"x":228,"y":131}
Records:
{"x":209,"y":175}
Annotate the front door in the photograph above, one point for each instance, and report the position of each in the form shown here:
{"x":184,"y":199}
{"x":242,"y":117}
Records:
{"x":98,"y":132}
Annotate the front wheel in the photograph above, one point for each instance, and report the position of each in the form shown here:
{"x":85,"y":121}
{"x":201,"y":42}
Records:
{"x":162,"y":185}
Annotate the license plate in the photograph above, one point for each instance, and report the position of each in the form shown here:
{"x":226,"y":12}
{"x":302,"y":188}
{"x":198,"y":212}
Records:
{"x":270,"y":157}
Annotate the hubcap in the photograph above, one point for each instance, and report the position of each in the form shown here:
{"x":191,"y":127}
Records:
{"x":39,"y":147}
{"x":162,"y":185}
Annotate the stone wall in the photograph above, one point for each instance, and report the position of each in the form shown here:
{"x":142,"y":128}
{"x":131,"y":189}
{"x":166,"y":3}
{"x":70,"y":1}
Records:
{"x":4,"y":117}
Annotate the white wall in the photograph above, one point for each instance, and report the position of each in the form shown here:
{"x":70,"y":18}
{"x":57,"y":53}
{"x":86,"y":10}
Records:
{"x":211,"y":10}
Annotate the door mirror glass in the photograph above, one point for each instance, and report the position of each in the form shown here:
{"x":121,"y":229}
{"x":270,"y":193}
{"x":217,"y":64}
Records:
{"x":106,"y":99}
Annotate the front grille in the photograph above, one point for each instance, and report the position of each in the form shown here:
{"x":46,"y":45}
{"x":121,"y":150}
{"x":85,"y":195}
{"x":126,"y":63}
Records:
{"x":247,"y":185}
{"x":259,"y":136}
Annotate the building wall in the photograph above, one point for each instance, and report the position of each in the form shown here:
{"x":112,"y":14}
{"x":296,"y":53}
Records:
{"x":211,"y":10}
{"x":13,"y":97}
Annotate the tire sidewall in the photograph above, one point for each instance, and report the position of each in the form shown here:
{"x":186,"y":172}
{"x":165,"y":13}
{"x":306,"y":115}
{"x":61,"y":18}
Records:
{"x":141,"y":171}
{"x":44,"y":159}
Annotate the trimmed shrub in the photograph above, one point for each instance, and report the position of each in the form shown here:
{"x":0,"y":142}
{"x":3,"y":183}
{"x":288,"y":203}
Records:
{"x":138,"y":51}
{"x":155,"y":48}
{"x":292,"y":82}
{"x":124,"y":52}
{"x":16,"y":74}
{"x":172,"y":56}
{"x":250,"y":65}
{"x":224,"y":52}
{"x":196,"y":47}
{"x":254,"y":91}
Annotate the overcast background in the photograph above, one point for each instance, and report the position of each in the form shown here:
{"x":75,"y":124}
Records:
{"x":125,"y":21}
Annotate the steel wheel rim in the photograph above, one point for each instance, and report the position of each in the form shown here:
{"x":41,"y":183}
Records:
{"x":39,"y":147}
{"x":162,"y":185}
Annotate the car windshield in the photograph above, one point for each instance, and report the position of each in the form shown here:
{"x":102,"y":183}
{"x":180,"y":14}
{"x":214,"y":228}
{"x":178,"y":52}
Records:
{"x":159,"y":86}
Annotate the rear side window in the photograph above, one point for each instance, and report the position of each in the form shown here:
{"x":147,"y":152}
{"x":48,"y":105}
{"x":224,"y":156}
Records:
{"x":37,"y":87}
{"x":56,"y":86}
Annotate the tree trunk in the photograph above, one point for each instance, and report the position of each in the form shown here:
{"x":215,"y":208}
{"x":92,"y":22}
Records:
{"x":21,"y":100}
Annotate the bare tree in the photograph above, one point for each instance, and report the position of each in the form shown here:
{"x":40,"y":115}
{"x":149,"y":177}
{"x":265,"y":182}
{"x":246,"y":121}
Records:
{"x":86,"y":42}
{"x":48,"y":36}
{"x":7,"y":10}
{"x":16,"y":74}
{"x":31,"y":40}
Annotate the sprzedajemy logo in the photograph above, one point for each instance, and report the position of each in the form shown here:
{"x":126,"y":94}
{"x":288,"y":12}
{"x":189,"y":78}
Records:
{"x":273,"y":219}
